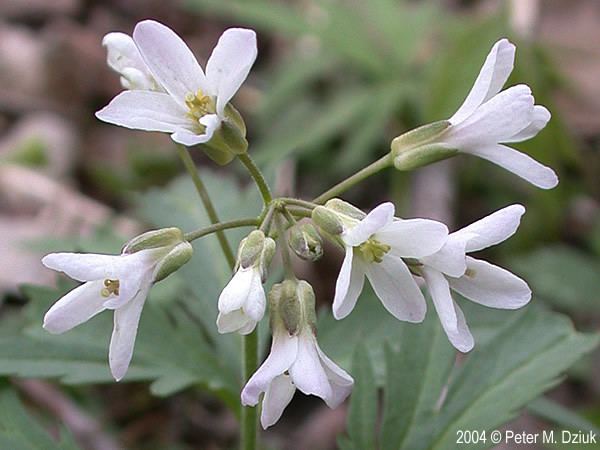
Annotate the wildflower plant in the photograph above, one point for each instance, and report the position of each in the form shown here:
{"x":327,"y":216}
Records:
{"x":166,"y":90}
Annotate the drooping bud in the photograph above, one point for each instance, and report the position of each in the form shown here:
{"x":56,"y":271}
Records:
{"x":306,"y":242}
{"x":229,"y":140}
{"x":327,"y":220}
{"x":292,"y":306}
{"x":164,"y":237}
{"x":421,"y":146}
{"x":173,"y":261}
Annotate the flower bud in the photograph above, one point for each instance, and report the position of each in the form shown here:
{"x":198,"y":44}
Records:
{"x":327,"y":220}
{"x":176,"y":258}
{"x":292,"y":306}
{"x":306,"y":242}
{"x":421,"y":146}
{"x":154,"y":239}
{"x":229,"y":140}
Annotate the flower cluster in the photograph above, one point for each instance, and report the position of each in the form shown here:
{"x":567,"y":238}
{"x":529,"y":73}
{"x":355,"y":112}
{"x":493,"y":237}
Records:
{"x":167,"y":91}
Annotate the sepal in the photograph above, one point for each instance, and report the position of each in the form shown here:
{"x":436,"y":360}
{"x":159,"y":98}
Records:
{"x":173,"y":261}
{"x":165,"y":237}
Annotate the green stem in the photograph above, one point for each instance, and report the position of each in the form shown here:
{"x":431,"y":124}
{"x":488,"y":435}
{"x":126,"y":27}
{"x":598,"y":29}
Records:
{"x":285,"y":251}
{"x":249,"y":423}
{"x":265,"y":222}
{"x":188,"y":162}
{"x":193,"y":235}
{"x":359,"y":176}
{"x":258,"y":177}
{"x":298,"y":202}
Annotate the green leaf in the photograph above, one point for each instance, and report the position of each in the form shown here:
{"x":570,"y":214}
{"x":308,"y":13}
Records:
{"x":362,"y":415}
{"x":18,"y":431}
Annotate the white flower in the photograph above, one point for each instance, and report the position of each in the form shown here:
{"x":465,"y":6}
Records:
{"x":193,"y":106}
{"x":489,"y":118}
{"x":295,"y":361}
{"x":123,"y":57}
{"x":120,"y":283}
{"x":242,"y":302}
{"x":477,"y":280}
{"x":375,"y":247}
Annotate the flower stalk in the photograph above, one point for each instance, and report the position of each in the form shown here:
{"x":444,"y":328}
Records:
{"x":258,"y":177}
{"x":248,"y":222}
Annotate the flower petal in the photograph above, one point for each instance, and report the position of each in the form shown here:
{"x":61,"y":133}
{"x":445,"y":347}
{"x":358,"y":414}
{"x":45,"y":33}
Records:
{"x":397,"y":289}
{"x":376,"y":220}
{"x":492,"y":76}
{"x":145,"y":110}
{"x":518,"y":163}
{"x":442,"y":300}
{"x":341,"y":383}
{"x":414,"y":238}
{"x":283,"y":354}
{"x":235,"y":321}
{"x":491,"y":230}
{"x":492,"y":286}
{"x":84,"y":266}
{"x":541,"y":116}
{"x":279,"y":394}
{"x":307,"y":372}
{"x":126,"y":321}
{"x":349,"y":285}
{"x":229,"y":64}
{"x":169,"y":59}
{"x":450,"y":259}
{"x":500,"y":118}
{"x":255,"y":303}
{"x":211,"y":123}
{"x":76,"y":307}
{"x":236,"y":292}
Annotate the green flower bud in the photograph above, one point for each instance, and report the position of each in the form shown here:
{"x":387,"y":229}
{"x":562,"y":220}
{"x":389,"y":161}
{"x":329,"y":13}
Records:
{"x":327,"y":220}
{"x":306,"y":242}
{"x":419,"y":136}
{"x":154,"y":239}
{"x":176,"y":258}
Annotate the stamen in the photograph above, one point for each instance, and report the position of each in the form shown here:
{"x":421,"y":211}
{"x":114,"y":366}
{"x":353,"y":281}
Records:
{"x":373,"y":250}
{"x":111,"y":287}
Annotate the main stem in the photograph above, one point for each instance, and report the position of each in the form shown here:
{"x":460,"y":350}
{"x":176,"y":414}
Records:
{"x":359,"y":176}
{"x":188,"y":162}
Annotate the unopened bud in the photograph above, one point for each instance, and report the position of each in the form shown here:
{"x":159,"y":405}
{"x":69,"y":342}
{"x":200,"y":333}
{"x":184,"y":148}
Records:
{"x":327,"y":220}
{"x":306,"y":242}
{"x":173,"y":261}
{"x":164,"y":237}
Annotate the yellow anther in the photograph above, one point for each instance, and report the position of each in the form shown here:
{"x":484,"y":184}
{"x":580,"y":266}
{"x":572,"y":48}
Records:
{"x":470,"y":273}
{"x":111,"y":287}
{"x":373,"y":250}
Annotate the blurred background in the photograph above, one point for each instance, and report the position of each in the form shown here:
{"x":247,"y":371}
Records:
{"x":334,"y":82}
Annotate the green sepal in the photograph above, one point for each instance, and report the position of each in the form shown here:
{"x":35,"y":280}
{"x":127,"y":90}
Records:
{"x":229,"y":140}
{"x":419,"y":136}
{"x":173,"y":261}
{"x":251,"y":249}
{"x":345,"y":208}
{"x":327,"y":220}
{"x":164,"y":237}
{"x":424,"y":155}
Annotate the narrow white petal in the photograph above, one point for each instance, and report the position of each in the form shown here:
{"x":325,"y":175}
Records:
{"x":211,"y":123}
{"x":492,"y":286}
{"x":236,"y":292}
{"x":397,"y":289}
{"x":518,"y":163}
{"x":76,"y":307}
{"x":461,"y":338}
{"x":279,"y":394}
{"x":122,"y":53}
{"x":349,"y":285}
{"x":376,"y":220}
{"x":498,"y":119}
{"x":442,"y":300}
{"x":413,"y":238}
{"x":235,"y":321}
{"x":341,"y":383}
{"x":450,"y":259}
{"x":84,"y":266}
{"x":541,"y":117}
{"x":492,"y":76}
{"x":229,"y":64}
{"x":145,"y":110}
{"x":307,"y":372}
{"x":255,"y":303}
{"x":491,"y":230}
{"x":283,"y":354}
{"x":169,"y":59}
{"x":126,"y":321}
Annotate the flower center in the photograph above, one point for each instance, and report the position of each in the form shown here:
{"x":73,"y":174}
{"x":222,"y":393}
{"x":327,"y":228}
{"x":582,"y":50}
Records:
{"x":199,"y":105}
{"x":373,"y":250}
{"x":111,"y":287}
